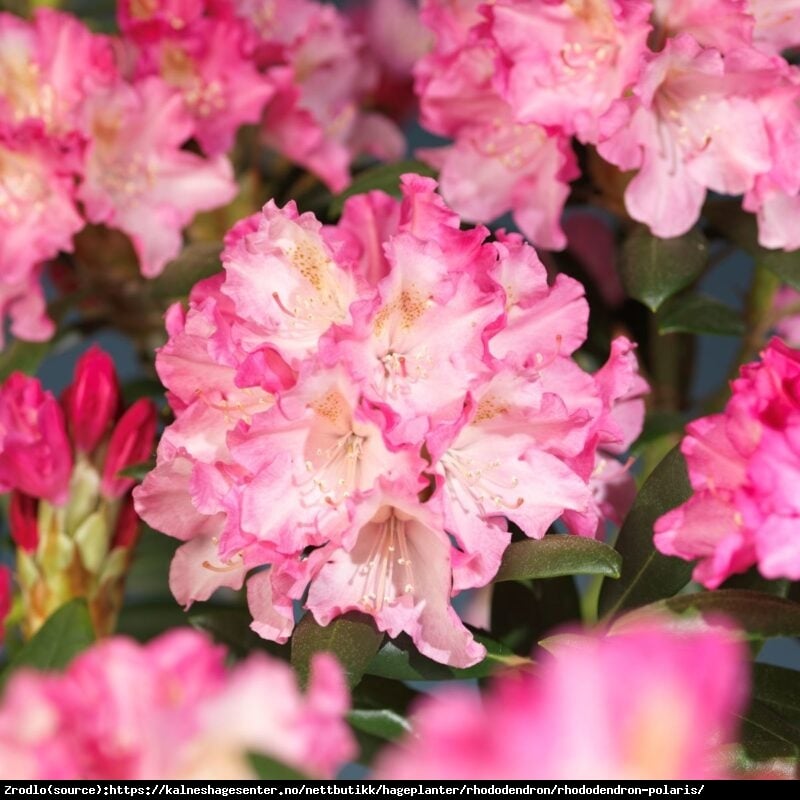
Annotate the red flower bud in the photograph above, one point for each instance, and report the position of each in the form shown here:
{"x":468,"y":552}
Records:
{"x":131,"y":443}
{"x":35,"y":453}
{"x":92,"y":401}
{"x":22,"y":516}
{"x":127,"y":530}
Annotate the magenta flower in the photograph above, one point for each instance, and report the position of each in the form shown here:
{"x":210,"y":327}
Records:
{"x":348,"y":398}
{"x":5,"y":598}
{"x":741,"y":462}
{"x":650,"y":702}
{"x":189,"y":718}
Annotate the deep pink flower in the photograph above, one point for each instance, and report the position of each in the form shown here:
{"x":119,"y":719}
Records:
{"x":35,"y":453}
{"x":649,"y":703}
{"x":131,"y":443}
{"x":23,"y":522}
{"x":6,"y":598}
{"x":187,"y":719}
{"x":137,"y":178}
{"x":742,"y":464}
{"x":92,"y":400}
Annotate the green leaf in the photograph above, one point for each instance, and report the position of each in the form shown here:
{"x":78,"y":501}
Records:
{"x":761,"y":616}
{"x":145,"y":621}
{"x":697,"y":313}
{"x":654,"y":269}
{"x":765,"y":734}
{"x":23,"y":357}
{"x":352,"y":638}
{"x":197,"y":260}
{"x":382,"y":723}
{"x":231,"y":627}
{"x":777,"y":686}
{"x":399,"y":660}
{"x":557,"y":555}
{"x":385,"y":177}
{"x":65,"y":634}
{"x":647,"y":575}
{"x":270,"y":769}
{"x":138,"y":471}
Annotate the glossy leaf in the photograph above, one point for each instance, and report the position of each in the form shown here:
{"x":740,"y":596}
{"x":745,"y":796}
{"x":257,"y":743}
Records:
{"x":765,"y":734}
{"x":381,"y":723}
{"x":557,"y":555}
{"x":197,"y":261}
{"x":352,"y":638}
{"x":269,"y":769}
{"x":654,"y":269}
{"x":647,"y":575}
{"x":385,"y":177}
{"x":778,"y":687}
{"x":398,"y":659}
{"x":138,"y":471}
{"x":66,"y":633}
{"x":759,"y":615}
{"x":19,"y":356}
{"x":697,"y":313}
{"x":231,"y":627}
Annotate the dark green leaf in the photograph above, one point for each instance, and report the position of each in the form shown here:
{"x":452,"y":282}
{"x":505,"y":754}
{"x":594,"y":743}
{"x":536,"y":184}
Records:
{"x":765,"y":734}
{"x":145,"y":621}
{"x":398,"y":659}
{"x":198,"y":260}
{"x":141,"y":387}
{"x":778,"y":687}
{"x":761,"y":616}
{"x":231,"y":627}
{"x":385,"y":177}
{"x":523,"y":612}
{"x":19,"y":356}
{"x":647,"y":575}
{"x":352,"y":638}
{"x":269,"y":769}
{"x":557,"y":555}
{"x":138,"y":471}
{"x":148,"y":577}
{"x":382,"y":723}
{"x":785,"y":265}
{"x":696,"y":313}
{"x":654,"y":269}
{"x":65,"y":634}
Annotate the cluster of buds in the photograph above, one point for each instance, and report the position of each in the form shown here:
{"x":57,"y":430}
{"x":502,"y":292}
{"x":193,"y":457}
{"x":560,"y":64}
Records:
{"x":70,"y":511}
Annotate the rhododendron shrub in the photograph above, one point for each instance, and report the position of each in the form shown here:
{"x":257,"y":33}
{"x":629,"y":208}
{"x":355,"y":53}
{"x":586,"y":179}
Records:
{"x":411,"y":342}
{"x":390,"y":409}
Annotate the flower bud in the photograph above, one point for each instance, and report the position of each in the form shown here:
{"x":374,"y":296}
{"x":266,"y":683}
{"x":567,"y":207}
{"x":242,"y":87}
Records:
{"x":91,"y":402}
{"x":5,"y":598}
{"x":22,"y":514}
{"x":131,"y":442}
{"x":35,"y":453}
{"x":127,"y":530}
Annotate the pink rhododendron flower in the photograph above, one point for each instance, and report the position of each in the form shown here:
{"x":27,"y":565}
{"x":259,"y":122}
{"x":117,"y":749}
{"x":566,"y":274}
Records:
{"x":721,"y":24}
{"x":569,"y":61}
{"x":777,"y":23}
{"x":188,"y":718}
{"x":742,"y":465}
{"x":674,"y":135}
{"x":138,"y":179}
{"x":648,"y":703}
{"x":352,"y":400}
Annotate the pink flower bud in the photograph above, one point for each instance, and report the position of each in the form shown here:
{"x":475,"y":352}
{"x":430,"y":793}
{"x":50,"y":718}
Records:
{"x":91,"y":402}
{"x":127,"y":530}
{"x":35,"y":453}
{"x":5,"y":598}
{"x":22,"y":515}
{"x":131,"y":442}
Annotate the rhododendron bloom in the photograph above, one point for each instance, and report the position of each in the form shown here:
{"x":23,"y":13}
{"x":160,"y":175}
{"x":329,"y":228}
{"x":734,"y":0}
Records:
{"x":377,"y":398}
{"x":777,"y":23}
{"x":679,"y":137}
{"x":742,"y":465}
{"x":721,"y":24}
{"x":188,"y":718}
{"x":648,"y":703}
{"x":137,"y":178}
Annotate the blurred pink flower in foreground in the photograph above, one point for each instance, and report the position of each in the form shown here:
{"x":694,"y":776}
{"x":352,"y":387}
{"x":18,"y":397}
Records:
{"x":744,"y":465}
{"x":363,"y":406}
{"x":648,"y":703}
{"x":170,"y":709}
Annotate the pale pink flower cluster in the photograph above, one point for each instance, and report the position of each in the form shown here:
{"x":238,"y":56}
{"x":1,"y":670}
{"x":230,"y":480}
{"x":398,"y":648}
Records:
{"x":170,"y":709}
{"x":649,"y":703}
{"x":95,"y":129}
{"x":744,"y":465}
{"x":693,"y":95}
{"x":363,"y":406}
